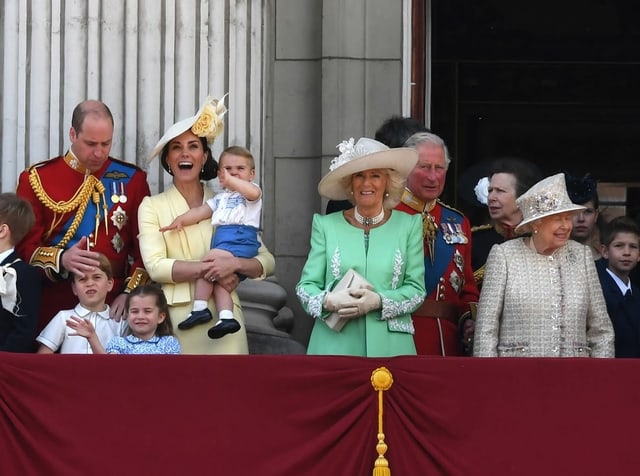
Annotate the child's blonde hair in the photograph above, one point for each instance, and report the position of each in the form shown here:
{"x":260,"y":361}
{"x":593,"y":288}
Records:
{"x":241,"y":151}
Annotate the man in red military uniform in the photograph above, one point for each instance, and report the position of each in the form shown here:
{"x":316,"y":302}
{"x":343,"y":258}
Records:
{"x":84,"y":202}
{"x":451,"y":288}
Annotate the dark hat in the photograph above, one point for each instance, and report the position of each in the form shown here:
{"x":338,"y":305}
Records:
{"x":469,"y":179}
{"x":581,"y":190}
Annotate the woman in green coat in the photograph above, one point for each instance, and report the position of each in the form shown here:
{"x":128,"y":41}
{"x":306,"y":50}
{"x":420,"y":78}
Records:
{"x":371,"y":314}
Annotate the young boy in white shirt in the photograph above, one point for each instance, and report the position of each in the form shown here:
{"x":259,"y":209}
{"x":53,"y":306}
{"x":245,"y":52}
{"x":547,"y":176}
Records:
{"x":91,"y":291}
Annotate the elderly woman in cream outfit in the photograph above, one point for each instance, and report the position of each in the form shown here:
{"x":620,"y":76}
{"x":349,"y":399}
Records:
{"x":174,"y":258}
{"x":541,"y":295}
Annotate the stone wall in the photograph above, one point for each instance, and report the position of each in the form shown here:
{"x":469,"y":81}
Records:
{"x":337,"y":73}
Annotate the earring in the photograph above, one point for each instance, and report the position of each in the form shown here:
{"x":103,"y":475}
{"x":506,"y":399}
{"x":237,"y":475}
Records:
{"x":386,"y":194}
{"x":169,"y":170}
{"x":535,"y":232}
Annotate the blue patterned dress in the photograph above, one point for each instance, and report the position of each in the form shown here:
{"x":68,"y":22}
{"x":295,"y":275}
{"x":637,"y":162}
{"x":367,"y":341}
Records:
{"x":131,"y":344}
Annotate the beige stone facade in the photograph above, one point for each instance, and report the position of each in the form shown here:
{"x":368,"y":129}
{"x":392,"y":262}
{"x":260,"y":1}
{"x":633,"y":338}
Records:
{"x":302,"y":75}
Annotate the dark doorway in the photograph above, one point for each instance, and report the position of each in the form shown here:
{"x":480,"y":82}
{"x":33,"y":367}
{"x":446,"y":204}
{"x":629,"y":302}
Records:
{"x":557,"y":82}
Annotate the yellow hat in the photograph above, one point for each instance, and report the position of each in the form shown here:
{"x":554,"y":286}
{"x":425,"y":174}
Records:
{"x":206,"y":123}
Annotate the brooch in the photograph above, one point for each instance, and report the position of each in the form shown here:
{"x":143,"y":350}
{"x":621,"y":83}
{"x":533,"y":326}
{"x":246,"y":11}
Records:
{"x":119,"y":218}
{"x":456,"y":281}
{"x":458,"y":259}
{"x":117,"y":242}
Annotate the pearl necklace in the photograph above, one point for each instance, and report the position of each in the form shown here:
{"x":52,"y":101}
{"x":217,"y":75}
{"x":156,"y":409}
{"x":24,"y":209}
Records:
{"x":368,"y":221}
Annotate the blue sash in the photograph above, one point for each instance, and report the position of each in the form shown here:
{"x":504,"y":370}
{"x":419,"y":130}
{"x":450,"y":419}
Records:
{"x":117,"y":173}
{"x":443,"y":252}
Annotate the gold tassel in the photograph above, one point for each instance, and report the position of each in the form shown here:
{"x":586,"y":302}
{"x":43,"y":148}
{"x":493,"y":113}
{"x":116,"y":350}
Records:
{"x":381,"y":379}
{"x":429,"y":231}
{"x":96,"y":201}
{"x":100,"y":188}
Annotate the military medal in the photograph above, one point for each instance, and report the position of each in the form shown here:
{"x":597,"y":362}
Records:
{"x":456,"y":281}
{"x":117,"y":242}
{"x":458,"y":259}
{"x":115,"y":198}
{"x":460,"y":233}
{"x":123,"y":196}
{"x":447,"y":233}
{"x":119,"y":217}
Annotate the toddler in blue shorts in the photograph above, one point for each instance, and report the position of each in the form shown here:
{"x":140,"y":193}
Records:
{"x":235,"y":214}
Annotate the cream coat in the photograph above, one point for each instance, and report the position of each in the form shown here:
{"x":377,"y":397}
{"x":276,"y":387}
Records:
{"x":159,"y":252}
{"x":533,"y":305}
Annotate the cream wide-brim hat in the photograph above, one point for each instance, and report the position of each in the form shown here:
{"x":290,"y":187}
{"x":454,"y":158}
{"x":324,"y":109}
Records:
{"x":215,"y":111}
{"x":547,"y":197}
{"x":366,"y":154}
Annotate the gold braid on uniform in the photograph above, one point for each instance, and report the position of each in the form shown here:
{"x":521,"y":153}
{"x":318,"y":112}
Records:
{"x":77,"y":203}
{"x":429,"y":225}
{"x":478,"y":274}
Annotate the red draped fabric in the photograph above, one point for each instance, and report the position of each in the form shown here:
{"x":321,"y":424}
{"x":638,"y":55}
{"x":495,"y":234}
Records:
{"x":306,"y":415}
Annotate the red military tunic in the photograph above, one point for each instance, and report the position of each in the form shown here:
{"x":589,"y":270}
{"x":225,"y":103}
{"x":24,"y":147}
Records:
{"x":64,"y":203}
{"x":449,"y":280}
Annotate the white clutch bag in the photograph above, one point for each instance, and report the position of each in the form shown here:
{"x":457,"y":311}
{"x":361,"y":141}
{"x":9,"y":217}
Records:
{"x":351,"y":280}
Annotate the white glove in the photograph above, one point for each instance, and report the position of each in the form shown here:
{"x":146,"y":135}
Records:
{"x":365,"y":301}
{"x":336,"y":300}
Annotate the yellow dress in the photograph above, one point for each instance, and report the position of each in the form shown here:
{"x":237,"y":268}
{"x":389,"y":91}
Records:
{"x":159,"y":252}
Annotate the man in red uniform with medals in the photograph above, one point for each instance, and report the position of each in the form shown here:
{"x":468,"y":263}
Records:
{"x":451,"y":288}
{"x":85,"y":203}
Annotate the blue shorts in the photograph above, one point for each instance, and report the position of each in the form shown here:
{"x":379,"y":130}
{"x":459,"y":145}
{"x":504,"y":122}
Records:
{"x":240,"y":240}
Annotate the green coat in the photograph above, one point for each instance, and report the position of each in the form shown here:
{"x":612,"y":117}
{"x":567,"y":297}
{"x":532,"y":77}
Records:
{"x":393,"y":264}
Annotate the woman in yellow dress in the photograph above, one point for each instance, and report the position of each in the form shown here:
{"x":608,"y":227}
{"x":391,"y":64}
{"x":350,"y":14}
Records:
{"x":174,"y":258}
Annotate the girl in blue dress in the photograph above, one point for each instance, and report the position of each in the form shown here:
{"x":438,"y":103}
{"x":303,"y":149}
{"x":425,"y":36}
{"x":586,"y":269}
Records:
{"x":149,"y":326}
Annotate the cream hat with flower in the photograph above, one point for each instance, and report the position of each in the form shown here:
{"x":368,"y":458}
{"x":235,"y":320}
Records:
{"x":366,"y":154}
{"x":547,"y":197}
{"x":206,"y":123}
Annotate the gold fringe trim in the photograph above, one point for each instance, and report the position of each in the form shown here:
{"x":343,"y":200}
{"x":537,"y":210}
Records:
{"x":138,"y":278}
{"x":429,"y":225}
{"x":48,"y":258}
{"x":381,"y":379}
{"x":478,"y":274}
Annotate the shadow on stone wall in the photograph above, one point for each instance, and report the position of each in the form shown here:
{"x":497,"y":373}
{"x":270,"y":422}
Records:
{"x":269,"y":321}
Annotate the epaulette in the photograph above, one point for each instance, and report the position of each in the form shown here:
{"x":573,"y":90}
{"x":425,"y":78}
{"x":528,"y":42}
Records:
{"x":44,"y":163}
{"x":451,"y":208}
{"x":481,"y":228}
{"x":478,"y":275}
